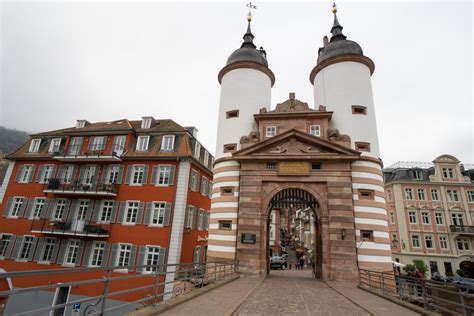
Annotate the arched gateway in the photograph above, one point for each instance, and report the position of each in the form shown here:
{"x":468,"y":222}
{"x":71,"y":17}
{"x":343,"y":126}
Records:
{"x":323,"y":157}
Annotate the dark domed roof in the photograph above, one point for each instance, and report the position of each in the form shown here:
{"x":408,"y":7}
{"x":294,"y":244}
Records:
{"x":338,"y":45}
{"x":248,"y":51}
{"x":247,"y":54}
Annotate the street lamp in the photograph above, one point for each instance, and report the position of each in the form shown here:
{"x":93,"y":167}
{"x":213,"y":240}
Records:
{"x":394,"y":243}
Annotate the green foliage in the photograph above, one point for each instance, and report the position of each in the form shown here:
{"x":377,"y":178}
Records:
{"x":416,"y":265}
{"x":460,"y":273}
{"x":11,"y":139}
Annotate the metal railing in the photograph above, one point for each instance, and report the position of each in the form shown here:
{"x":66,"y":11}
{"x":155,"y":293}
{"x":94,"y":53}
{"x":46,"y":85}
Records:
{"x":445,"y":297}
{"x":461,"y":229}
{"x":72,"y":227}
{"x":58,"y":185}
{"x":106,"y":290}
{"x":91,"y":150}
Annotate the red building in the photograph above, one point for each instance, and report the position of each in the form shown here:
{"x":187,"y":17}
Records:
{"x":114,"y":193}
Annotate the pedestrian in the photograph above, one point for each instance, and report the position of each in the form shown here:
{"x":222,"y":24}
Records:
{"x":303,"y":257}
{"x":302,"y":262}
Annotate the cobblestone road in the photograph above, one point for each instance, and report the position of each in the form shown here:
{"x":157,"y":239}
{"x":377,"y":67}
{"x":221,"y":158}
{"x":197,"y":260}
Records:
{"x":295,"y":292}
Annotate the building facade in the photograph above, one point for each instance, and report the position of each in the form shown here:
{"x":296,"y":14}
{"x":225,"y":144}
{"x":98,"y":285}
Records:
{"x":121,"y":193}
{"x":323,"y":158}
{"x":431,"y":213}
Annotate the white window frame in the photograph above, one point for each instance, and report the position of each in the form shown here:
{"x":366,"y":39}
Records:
{"x":158,"y":210}
{"x":137,"y":169}
{"x":270,"y":131}
{"x":143,"y":142}
{"x":421,"y":194}
{"x":17,"y":204}
{"x":133,"y":207}
{"x":97,"y":143}
{"x":434,"y":195}
{"x":417,"y":175}
{"x":453,"y":195}
{"x":443,"y":242}
{"x":465,"y":242}
{"x":164,"y":173}
{"x":55,"y":144}
{"x":194,"y":180}
{"x":115,"y":171}
{"x":206,"y":157}
{"x":409,"y":194}
{"x":51,"y":243}
{"x":97,"y":251}
{"x":30,"y":242}
{"x":4,"y":243}
{"x":425,"y":218}
{"x":204,"y":185}
{"x":155,"y":252}
{"x":47,"y":173}
{"x":315,"y":130}
{"x":392,"y":217}
{"x":60,"y":208}
{"x":457,"y":218}
{"x":25,"y":174}
{"x":470,"y":196}
{"x":34,"y":145}
{"x":197,"y":150}
{"x":448,"y":173}
{"x":167,"y":142}
{"x":190,"y":217}
{"x":121,"y":250}
{"x":106,"y":208}
{"x":146,"y":122}
{"x":429,"y":238}
{"x":412,"y":217}
{"x":38,"y":202}
{"x":72,"y":243}
{"x":439,"y":218}
{"x":417,"y":238}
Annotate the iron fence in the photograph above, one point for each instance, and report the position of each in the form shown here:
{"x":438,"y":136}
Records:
{"x":84,"y":185}
{"x":154,"y":284}
{"x":445,"y":297}
{"x":98,"y":149}
{"x":71,"y":227}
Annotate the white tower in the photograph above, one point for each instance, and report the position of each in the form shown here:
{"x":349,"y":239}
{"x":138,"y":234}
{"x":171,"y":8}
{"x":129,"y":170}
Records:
{"x":246,"y":83}
{"x":342,"y":83}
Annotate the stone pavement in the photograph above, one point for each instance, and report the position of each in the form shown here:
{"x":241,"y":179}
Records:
{"x":220,"y":301}
{"x":290,"y":292}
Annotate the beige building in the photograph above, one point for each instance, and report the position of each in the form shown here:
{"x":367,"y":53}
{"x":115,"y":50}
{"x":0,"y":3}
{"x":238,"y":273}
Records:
{"x":431,"y":213}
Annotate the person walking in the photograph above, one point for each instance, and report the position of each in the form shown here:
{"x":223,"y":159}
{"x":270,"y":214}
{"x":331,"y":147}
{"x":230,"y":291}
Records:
{"x":302,"y":261}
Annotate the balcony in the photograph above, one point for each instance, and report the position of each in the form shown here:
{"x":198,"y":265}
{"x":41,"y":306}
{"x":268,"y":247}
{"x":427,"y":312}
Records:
{"x":80,"y":187}
{"x":95,"y":152}
{"x":70,"y":228}
{"x":462,"y":230}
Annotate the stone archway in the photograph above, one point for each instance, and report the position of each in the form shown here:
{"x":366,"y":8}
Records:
{"x":295,"y":200}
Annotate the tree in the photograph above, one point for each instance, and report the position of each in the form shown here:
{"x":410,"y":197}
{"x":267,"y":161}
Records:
{"x":416,"y":265}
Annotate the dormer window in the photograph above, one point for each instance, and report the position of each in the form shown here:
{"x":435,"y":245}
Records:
{"x":80,"y":123}
{"x":197,"y":150}
{"x":167,"y":143}
{"x":270,"y":131}
{"x":54,"y":146}
{"x":417,"y":175}
{"x":315,"y":130}
{"x":34,"y":145}
{"x":146,"y":122}
{"x":448,"y":173}
{"x":206,"y":158}
{"x":142,"y":143}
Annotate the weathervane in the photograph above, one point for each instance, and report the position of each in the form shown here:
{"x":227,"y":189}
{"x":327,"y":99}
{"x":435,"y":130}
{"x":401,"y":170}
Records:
{"x":334,"y":7}
{"x":250,"y":6}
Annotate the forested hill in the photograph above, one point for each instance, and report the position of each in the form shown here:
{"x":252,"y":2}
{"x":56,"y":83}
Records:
{"x":11,"y":139}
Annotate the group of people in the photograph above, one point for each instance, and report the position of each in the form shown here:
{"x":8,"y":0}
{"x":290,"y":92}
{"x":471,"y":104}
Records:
{"x":300,"y":263}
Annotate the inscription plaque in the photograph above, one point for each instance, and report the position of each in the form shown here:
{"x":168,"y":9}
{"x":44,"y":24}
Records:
{"x":295,"y":168}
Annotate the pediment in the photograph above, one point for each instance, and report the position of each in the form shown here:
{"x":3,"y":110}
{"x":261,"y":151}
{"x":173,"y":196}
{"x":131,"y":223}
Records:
{"x":295,"y":143}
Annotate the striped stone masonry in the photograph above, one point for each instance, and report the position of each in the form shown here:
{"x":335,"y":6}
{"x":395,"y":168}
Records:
{"x":371,"y":215}
{"x":224,"y":207}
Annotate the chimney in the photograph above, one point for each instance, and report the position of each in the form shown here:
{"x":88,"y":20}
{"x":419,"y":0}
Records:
{"x":292,"y":95}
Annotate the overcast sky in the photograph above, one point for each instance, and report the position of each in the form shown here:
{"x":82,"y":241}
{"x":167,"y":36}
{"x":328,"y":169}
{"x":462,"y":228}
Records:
{"x":104,"y":60}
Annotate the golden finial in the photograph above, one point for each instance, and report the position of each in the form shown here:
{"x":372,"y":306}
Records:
{"x":334,"y":7}
{"x":250,"y":6}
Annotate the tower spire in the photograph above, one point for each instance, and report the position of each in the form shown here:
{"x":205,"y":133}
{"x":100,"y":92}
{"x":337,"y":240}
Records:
{"x":248,"y":36}
{"x":336,"y":29}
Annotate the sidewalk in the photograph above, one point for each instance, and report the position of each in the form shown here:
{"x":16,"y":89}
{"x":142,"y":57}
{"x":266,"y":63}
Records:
{"x":220,"y":301}
{"x":374,"y":304}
